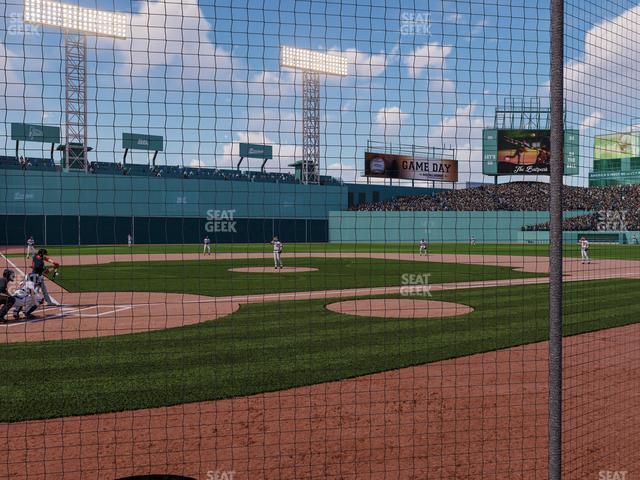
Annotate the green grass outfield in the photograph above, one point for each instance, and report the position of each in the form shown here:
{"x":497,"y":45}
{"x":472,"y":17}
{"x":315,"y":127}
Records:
{"x":612,"y":251}
{"x":213,"y":278}
{"x":278,"y":345}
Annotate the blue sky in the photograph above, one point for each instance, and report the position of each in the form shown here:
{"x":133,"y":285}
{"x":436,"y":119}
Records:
{"x":207,"y":76}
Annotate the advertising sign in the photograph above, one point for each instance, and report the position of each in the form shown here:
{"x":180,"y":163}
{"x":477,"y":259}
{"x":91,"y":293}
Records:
{"x":405,"y":167}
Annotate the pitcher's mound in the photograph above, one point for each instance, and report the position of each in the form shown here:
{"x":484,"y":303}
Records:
{"x":399,"y":308}
{"x":272,"y":270}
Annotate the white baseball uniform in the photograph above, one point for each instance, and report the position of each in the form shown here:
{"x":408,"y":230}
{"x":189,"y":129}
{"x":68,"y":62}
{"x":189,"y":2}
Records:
{"x":584,"y":250}
{"x":207,"y":246}
{"x":423,"y":247}
{"x":277,"y":252}
{"x":27,"y":296}
{"x":31,"y":250}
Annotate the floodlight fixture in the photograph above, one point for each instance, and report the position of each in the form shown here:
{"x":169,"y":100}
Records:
{"x":76,"y":22}
{"x":312,"y":61}
{"x":312,"y":64}
{"x":75,"y":18}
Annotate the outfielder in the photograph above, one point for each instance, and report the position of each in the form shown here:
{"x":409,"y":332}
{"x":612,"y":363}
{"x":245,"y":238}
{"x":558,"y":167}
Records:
{"x":28,"y":296}
{"x":423,"y":247}
{"x":206,"y":246}
{"x":277,"y":252}
{"x":31,"y":249}
{"x":584,"y":250}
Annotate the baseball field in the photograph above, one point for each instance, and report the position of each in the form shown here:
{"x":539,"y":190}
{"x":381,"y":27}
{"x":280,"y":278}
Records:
{"x":277,"y":373}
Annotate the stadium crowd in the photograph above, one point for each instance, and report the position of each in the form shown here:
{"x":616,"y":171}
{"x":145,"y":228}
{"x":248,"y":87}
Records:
{"x":613,"y":208}
{"x":515,"y":196}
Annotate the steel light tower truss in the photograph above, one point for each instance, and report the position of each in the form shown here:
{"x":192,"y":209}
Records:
{"x":76,"y":23}
{"x":310,"y":127}
{"x":312,"y":64}
{"x":75,"y":104}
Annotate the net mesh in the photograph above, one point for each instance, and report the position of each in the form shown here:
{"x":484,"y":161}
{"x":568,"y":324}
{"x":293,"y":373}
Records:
{"x":311,"y":239}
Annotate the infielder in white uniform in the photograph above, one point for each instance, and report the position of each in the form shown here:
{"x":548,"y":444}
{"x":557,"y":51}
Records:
{"x":277,"y":252}
{"x":31,"y":249}
{"x":28,"y":296}
{"x":584,"y":250}
{"x":423,"y":247}
{"x":206,"y":249}
{"x":129,"y":240}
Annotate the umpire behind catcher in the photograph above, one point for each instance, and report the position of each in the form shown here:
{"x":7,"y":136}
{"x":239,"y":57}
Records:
{"x":6,"y":300}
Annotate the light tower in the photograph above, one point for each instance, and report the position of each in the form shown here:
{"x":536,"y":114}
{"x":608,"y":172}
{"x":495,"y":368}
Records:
{"x":312,"y":64}
{"x":75,"y":22}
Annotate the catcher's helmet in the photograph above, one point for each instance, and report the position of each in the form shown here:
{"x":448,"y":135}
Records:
{"x":34,"y":277}
{"x":8,"y":274}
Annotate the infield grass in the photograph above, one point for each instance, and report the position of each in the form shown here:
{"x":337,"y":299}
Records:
{"x":279,"y":345}
{"x":213,"y":278}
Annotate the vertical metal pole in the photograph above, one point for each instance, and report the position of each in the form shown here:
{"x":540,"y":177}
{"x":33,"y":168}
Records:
{"x":555,"y":234}
{"x":310,"y":127}
{"x":75,"y":47}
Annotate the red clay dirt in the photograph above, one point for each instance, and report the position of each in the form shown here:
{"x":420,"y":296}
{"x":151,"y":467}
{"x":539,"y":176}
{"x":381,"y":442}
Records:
{"x":481,"y":416}
{"x":399,"y":308}
{"x":272,"y":269}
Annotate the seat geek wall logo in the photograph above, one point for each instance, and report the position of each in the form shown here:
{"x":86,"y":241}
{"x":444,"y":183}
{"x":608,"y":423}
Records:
{"x":220,"y":221}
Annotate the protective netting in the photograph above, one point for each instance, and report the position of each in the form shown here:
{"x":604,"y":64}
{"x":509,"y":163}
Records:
{"x":312,"y":239}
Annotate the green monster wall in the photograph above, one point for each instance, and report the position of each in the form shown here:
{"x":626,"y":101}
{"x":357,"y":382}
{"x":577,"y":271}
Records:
{"x":75,"y":207}
{"x":441,"y":226}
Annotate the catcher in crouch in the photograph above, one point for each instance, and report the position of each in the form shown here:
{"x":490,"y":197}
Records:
{"x":28,"y":297}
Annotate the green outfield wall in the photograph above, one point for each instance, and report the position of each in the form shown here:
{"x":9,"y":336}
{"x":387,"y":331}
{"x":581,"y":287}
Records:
{"x":80,"y":208}
{"x":440,"y":226}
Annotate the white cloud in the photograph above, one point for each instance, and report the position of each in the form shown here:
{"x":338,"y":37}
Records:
{"x":173,"y":34}
{"x":463,"y":132}
{"x":454,"y":18}
{"x":343,"y":171}
{"x":431,"y":55}
{"x":607,"y":75}
{"x":197,"y":163}
{"x":590,"y":121}
{"x":388,"y":121}
{"x":367,"y":65}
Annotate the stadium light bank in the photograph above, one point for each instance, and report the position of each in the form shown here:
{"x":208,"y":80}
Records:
{"x":312,"y":64}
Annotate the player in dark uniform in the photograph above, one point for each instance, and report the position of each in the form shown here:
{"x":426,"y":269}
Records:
{"x":40,"y":260}
{"x":6,"y":299}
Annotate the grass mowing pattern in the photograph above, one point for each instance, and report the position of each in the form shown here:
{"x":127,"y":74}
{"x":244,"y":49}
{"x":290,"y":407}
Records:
{"x":274,"y":346}
{"x":213,"y":278}
{"x":597,"y":251}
